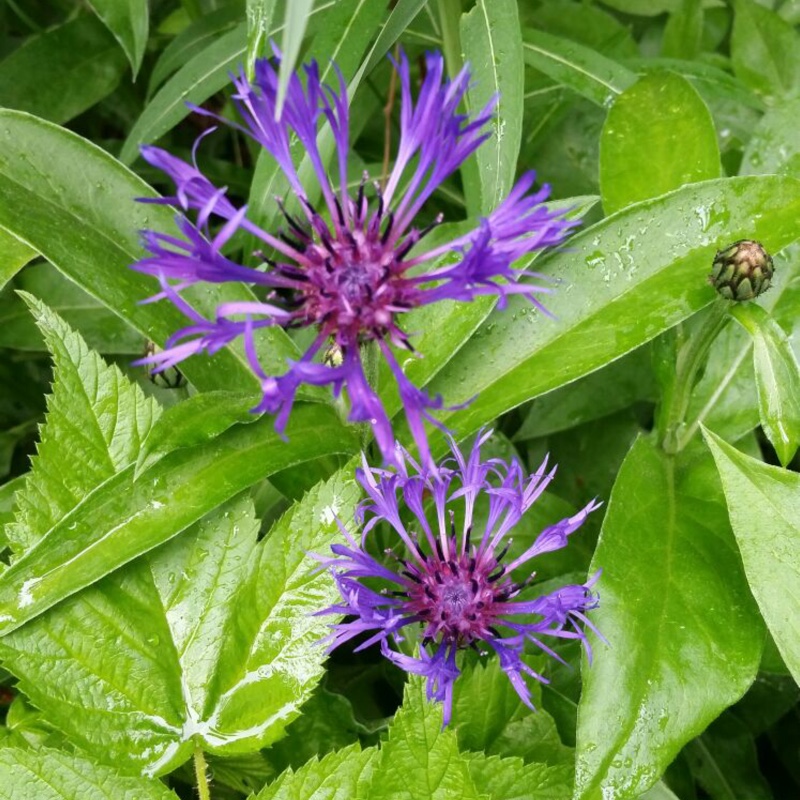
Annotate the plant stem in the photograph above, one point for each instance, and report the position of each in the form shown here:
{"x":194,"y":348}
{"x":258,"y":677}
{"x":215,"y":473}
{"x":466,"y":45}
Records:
{"x":201,"y":772}
{"x":691,"y":358}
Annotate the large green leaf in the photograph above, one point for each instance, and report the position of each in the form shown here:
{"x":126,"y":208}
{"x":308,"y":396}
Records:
{"x":777,"y":379}
{"x":764,"y":506}
{"x":657,"y":116}
{"x":620,"y":283}
{"x":491,"y":40}
{"x":128,"y":21}
{"x":75,"y":204}
{"x":62,"y":72}
{"x":684,"y":635}
{"x":27,"y":774}
{"x":588,"y":73}
{"x":103,"y":330}
{"x":95,"y":418}
{"x":14,"y":255}
{"x":765,"y":50}
{"x":774,"y":145}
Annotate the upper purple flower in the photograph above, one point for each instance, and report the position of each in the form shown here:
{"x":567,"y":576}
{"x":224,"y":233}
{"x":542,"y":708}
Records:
{"x":345,"y":268}
{"x":452,"y":578}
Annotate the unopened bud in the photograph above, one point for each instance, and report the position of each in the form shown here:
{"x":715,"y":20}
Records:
{"x":742,"y":271}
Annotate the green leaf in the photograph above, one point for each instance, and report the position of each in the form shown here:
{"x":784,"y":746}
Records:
{"x":764,"y":510}
{"x":658,"y":116}
{"x":259,"y":24}
{"x":511,"y":779}
{"x":343,"y":775}
{"x":585,"y":71}
{"x":7,"y":493}
{"x":14,"y":255}
{"x":194,"y":421}
{"x":53,"y":182}
{"x":294,"y":27}
{"x":683,"y":33}
{"x":128,"y":21}
{"x":491,"y":40}
{"x":420,"y":759}
{"x":272,"y":656}
{"x":103,"y":330}
{"x":124,"y":518}
{"x":62,"y":72}
{"x":644,"y":8}
{"x":95,"y":418}
{"x":774,"y":145}
{"x":765,"y":51}
{"x":193,"y":39}
{"x":621,"y":283}
{"x":684,"y":635}
{"x":777,"y":379}
{"x":53,"y":775}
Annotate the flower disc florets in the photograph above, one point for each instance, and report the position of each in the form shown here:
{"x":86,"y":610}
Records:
{"x":345,"y":264}
{"x":453,"y":578}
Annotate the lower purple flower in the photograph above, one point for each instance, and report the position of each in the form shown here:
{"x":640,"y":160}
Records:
{"x":456,"y":584}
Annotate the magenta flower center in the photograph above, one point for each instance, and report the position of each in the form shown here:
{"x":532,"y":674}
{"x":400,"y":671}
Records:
{"x":457,"y":597}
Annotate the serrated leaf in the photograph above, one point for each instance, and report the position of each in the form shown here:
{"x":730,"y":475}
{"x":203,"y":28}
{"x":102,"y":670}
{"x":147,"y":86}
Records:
{"x":657,"y":116}
{"x":420,"y":759}
{"x":491,"y":40}
{"x":764,"y":506}
{"x":63,"y":71}
{"x":685,"y":636}
{"x":96,"y":421}
{"x":273,"y":659}
{"x":128,"y":20}
{"x":594,"y":76}
{"x":777,"y":379}
{"x":53,"y":775}
{"x":511,"y":779}
{"x":75,"y":204}
{"x":343,"y":775}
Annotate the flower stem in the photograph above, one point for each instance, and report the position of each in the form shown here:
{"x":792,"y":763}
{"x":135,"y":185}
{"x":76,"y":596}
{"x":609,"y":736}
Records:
{"x":690,"y":359}
{"x":201,"y":772}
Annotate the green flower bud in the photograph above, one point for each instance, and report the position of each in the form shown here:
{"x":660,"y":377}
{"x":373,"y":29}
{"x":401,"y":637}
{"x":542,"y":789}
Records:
{"x":742,"y":271}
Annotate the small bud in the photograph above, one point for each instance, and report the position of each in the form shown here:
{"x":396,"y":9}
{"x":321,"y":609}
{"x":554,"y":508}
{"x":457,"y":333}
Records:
{"x":742,"y":271}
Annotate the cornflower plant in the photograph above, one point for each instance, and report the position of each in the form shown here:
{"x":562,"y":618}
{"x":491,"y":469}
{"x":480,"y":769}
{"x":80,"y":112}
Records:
{"x":350,"y":269}
{"x":452,"y":578}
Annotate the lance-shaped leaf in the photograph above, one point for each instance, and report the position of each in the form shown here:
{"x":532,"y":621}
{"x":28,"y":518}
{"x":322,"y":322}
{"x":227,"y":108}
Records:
{"x":777,"y":379}
{"x":96,"y":421}
{"x":14,"y":255}
{"x":77,"y":525}
{"x":212,"y":641}
{"x":684,"y":634}
{"x":619,"y":284}
{"x":75,"y":204}
{"x":45,"y":774}
{"x":128,"y":21}
{"x":764,"y":506}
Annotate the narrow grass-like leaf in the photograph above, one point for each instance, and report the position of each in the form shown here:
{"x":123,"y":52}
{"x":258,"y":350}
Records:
{"x":764,"y":506}
{"x":75,"y":204}
{"x":620,"y":283}
{"x":128,"y":20}
{"x":259,"y":24}
{"x":95,"y":418}
{"x":684,"y":634}
{"x":294,"y":28}
{"x":14,"y":255}
{"x":62,"y":72}
{"x":777,"y":379}
{"x":583,"y":70}
{"x":491,"y":40}
{"x":648,"y":123}
{"x":28,"y":774}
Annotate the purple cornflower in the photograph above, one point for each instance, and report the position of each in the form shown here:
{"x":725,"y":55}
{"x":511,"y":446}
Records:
{"x":452,"y":579}
{"x":345,"y":268}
